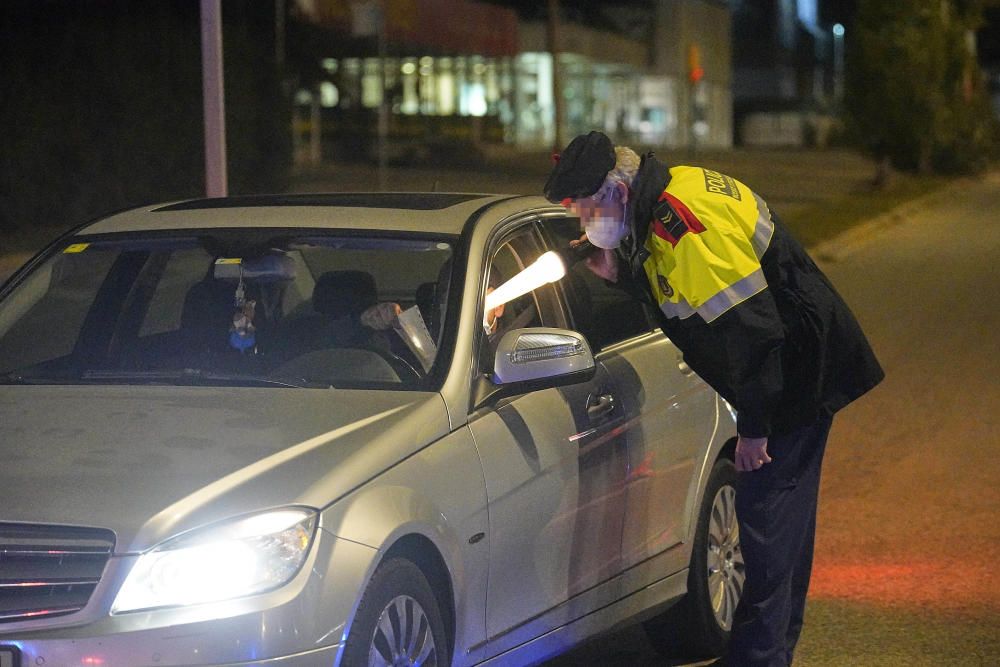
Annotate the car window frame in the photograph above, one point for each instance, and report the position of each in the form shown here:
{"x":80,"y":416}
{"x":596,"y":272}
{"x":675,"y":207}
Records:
{"x":524,"y":223}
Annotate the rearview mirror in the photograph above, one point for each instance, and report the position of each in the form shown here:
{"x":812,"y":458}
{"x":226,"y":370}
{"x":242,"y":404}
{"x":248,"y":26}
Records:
{"x":538,"y":358}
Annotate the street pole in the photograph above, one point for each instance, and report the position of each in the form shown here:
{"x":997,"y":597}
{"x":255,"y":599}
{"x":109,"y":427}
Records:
{"x":383,"y":106}
{"x":838,"y":63}
{"x":213,"y":99}
{"x":553,"y":39}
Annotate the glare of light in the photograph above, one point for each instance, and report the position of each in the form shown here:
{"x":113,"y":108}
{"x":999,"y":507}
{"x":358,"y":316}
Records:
{"x":202,"y":573}
{"x":409,"y":68}
{"x":265,"y":524}
{"x":446,"y":93}
{"x":546,"y":269}
{"x":838,"y":30}
{"x":328,"y":95}
{"x":474,"y":98}
{"x":234,"y":559}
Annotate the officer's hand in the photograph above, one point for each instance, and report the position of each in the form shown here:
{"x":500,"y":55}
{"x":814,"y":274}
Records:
{"x":751,"y":453}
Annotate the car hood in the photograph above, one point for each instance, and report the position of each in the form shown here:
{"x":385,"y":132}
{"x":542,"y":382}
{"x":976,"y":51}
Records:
{"x":151,"y":462}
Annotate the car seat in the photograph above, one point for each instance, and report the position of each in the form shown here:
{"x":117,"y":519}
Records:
{"x":205,"y":320}
{"x":338,"y":299}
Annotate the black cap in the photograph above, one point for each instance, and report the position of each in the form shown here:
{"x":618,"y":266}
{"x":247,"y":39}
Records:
{"x":581,"y":168}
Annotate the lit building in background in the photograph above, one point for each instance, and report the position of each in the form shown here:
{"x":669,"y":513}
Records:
{"x":788,"y":72}
{"x":471,"y":73}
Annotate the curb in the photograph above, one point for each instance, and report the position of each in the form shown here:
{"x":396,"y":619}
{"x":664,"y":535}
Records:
{"x":844,"y":244}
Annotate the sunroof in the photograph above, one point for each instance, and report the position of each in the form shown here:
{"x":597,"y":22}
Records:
{"x":425,"y":201}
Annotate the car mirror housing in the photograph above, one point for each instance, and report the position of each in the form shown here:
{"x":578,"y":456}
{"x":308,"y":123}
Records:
{"x":538,"y":353}
{"x":538,"y":358}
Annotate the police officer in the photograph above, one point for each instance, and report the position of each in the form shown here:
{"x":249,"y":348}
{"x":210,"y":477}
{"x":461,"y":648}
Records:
{"x":759,"y":322}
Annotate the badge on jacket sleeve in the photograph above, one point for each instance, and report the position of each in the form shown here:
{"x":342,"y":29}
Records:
{"x":665,"y":287}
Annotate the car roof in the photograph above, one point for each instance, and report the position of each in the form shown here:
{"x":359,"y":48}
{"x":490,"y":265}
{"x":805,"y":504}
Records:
{"x":427,"y":212}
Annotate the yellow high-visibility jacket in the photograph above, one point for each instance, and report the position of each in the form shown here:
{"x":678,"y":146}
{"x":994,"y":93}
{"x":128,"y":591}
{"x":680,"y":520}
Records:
{"x":753,"y":315}
{"x":706,"y":268}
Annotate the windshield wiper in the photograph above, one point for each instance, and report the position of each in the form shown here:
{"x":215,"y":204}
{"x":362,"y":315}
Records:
{"x":191,"y":376}
{"x":15,"y":377}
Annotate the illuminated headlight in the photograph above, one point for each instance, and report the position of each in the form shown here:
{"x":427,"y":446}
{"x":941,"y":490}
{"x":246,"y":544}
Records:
{"x":241,"y":557}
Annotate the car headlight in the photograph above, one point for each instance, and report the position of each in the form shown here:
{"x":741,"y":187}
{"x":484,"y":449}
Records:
{"x":248,"y":555}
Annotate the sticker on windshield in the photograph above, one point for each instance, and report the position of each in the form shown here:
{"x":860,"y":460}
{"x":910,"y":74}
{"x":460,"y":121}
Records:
{"x":229,"y":260}
{"x":76,"y":247}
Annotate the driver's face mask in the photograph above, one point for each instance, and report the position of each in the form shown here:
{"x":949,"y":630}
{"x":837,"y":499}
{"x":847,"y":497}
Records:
{"x":603,"y":215}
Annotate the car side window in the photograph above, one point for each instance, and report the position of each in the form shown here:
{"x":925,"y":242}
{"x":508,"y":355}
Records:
{"x":602,"y":312}
{"x":538,"y":308}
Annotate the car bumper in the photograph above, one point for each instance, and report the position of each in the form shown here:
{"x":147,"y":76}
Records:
{"x":302,"y":623}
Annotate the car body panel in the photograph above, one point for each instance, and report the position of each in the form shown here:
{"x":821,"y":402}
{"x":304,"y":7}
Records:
{"x":554,"y":479}
{"x":301,"y":212}
{"x":439,"y":495}
{"x":152,"y":462}
{"x":672,"y":431}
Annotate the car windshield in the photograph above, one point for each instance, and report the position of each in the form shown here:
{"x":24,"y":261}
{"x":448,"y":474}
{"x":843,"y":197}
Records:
{"x":230,"y":307}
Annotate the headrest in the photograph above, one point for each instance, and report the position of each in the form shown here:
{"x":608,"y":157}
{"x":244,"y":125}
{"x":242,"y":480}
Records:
{"x":339,"y":293}
{"x":208,"y":303}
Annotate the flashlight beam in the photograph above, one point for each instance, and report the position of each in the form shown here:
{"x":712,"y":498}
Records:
{"x":546,"y":269}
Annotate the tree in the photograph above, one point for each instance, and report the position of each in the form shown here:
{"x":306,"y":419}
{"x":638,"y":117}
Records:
{"x":916,"y":98}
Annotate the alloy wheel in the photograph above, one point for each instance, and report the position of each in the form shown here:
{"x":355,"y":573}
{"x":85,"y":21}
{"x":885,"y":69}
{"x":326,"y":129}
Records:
{"x":726,"y":571}
{"x":403,"y":636}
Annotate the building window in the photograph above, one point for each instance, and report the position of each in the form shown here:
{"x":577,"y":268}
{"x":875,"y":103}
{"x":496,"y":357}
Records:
{"x":410,"y":104}
{"x":371,"y":84}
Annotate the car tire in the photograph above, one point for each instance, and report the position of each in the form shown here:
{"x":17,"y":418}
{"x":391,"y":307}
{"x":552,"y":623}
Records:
{"x":398,"y":621}
{"x":699,"y":625}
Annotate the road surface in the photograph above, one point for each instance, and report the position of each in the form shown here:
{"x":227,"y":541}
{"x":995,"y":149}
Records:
{"x":909,"y":520}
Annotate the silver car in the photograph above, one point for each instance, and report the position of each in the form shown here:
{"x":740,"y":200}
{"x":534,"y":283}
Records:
{"x":383,"y":429}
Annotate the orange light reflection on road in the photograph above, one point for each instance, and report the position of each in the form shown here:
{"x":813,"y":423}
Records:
{"x":940,"y":583}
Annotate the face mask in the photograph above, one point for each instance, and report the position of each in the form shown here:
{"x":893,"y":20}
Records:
{"x":604,"y":218}
{"x":606,"y":232}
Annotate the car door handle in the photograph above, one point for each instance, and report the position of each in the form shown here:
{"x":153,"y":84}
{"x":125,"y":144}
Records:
{"x":600,"y":406}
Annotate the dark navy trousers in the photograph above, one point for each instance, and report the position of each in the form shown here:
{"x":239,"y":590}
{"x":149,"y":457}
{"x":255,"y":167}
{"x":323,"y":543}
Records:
{"x":776,"y":511}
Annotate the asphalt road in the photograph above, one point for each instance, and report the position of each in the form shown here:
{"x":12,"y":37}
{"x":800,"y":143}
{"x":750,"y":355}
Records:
{"x":906,"y":558}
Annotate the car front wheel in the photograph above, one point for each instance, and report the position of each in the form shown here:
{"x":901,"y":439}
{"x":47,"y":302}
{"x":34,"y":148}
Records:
{"x":398,"y":621}
{"x":699,"y":625}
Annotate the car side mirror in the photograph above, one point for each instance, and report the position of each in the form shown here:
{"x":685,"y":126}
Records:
{"x":537,"y":358}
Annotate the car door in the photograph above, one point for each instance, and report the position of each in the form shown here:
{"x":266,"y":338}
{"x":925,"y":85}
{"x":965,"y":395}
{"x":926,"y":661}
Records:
{"x":670,"y":414}
{"x":555,"y":468}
